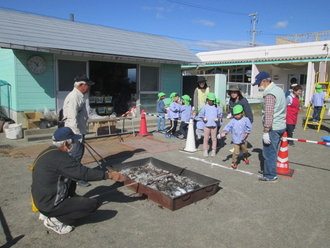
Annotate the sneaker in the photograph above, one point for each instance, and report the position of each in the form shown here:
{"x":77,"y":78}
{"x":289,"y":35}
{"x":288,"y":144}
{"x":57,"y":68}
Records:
{"x":213,"y":153}
{"x":265,"y":179}
{"x":315,"y":121}
{"x":57,"y":226}
{"x":205,"y":154}
{"x":291,"y":144}
{"x":234,"y":166}
{"x":167,"y":135}
{"x":42,"y":217}
{"x":246,"y":160}
{"x":261,"y":172}
{"x":231,"y":150}
{"x":218,"y":136}
{"x":229,"y":116}
{"x":83,"y":183}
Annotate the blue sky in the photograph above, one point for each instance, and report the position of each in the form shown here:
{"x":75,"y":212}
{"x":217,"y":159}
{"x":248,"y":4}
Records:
{"x":200,"y":25}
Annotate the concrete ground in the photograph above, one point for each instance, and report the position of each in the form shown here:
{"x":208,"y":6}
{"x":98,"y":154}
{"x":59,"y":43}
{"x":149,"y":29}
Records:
{"x":294,"y":212}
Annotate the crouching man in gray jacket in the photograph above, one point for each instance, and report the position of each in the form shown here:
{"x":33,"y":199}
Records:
{"x":53,"y":185}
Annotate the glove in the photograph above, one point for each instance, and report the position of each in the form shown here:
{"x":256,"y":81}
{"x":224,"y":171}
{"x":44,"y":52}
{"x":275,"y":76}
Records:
{"x":265,"y":138}
{"x":114,"y":175}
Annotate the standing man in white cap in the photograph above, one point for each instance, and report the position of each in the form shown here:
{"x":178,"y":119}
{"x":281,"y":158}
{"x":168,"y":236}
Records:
{"x":273,"y":118}
{"x":75,"y":115}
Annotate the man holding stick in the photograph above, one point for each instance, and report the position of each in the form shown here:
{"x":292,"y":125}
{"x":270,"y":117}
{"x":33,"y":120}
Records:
{"x":53,"y":188}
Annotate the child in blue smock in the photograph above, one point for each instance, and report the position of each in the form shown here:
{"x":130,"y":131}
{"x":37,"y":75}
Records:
{"x":185,"y":115}
{"x":161,"y":112}
{"x":173,"y":114}
{"x":318,"y":102}
{"x":240,"y":128}
{"x":199,"y":125}
{"x":211,"y":114}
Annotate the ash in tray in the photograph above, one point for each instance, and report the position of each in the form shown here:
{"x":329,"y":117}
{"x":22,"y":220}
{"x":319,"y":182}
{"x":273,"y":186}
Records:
{"x":170,"y":184}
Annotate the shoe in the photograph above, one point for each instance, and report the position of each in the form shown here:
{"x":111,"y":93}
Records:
{"x":42,"y":217}
{"x":213,"y":153}
{"x":291,"y":144}
{"x":205,"y":154}
{"x":234,"y":166}
{"x":231,"y":150}
{"x":57,"y":226}
{"x":261,"y":172}
{"x":83,"y":183}
{"x":229,"y":116}
{"x":265,"y":179}
{"x":246,"y":160}
{"x":315,"y":121}
{"x":167,"y":135}
{"x":218,"y":136}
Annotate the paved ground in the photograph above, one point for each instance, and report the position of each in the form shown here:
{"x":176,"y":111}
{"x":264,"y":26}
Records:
{"x":294,"y":212}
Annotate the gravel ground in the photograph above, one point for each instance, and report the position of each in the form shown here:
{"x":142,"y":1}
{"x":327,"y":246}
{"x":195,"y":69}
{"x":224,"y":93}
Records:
{"x":294,"y":212}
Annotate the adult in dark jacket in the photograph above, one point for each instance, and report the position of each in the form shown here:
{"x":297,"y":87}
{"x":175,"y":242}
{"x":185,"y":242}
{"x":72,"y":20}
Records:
{"x":236,"y":98}
{"x":53,"y":185}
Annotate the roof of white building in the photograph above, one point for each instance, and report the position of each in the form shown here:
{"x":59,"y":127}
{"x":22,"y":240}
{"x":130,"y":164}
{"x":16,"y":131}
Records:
{"x":38,"y":33}
{"x":301,"y":51}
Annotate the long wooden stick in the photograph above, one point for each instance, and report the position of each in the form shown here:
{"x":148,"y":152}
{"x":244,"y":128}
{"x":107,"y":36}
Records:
{"x":130,"y":184}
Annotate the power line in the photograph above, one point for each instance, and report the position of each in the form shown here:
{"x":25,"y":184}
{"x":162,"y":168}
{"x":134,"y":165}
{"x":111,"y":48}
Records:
{"x":207,"y":8}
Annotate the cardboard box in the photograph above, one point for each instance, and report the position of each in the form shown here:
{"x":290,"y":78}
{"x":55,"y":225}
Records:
{"x":108,"y":99}
{"x":102,"y":128}
{"x":92,"y":99}
{"x":32,"y":119}
{"x":108,"y":110}
{"x":101,"y":110}
{"x":99,"y":99}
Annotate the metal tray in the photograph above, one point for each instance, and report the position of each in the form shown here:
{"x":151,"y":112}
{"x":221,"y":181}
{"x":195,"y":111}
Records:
{"x":209,"y":188}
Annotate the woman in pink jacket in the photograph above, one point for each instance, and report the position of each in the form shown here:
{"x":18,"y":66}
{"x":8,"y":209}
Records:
{"x":292,"y":109}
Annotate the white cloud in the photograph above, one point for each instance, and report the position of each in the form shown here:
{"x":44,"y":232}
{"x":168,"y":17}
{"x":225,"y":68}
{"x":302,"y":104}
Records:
{"x":159,"y":15}
{"x":283,"y":24}
{"x":205,"y":23}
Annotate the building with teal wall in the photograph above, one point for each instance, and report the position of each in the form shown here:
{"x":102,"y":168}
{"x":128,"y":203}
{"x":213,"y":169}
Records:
{"x":155,"y":60}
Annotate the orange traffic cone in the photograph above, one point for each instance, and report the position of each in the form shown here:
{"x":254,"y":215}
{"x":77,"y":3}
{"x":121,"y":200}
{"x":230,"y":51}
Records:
{"x":282,"y":166}
{"x":143,"y":125}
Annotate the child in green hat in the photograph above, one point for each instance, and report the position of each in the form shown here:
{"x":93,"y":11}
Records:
{"x":240,"y":128}
{"x":174,"y":113}
{"x":211,"y":114}
{"x":318,"y":102}
{"x":161,"y":112}
{"x":185,"y":115}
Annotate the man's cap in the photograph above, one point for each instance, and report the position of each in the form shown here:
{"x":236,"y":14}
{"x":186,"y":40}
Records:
{"x":210,"y":96}
{"x":83,"y":78}
{"x":201,"y":79}
{"x":261,"y":76}
{"x":237,"y":109}
{"x":318,"y":86}
{"x":65,"y":133}
{"x":160,"y":94}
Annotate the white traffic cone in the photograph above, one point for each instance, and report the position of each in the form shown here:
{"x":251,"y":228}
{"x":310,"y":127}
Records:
{"x":190,"y":143}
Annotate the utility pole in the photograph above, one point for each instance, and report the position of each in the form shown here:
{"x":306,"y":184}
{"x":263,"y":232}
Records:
{"x":254,"y":32}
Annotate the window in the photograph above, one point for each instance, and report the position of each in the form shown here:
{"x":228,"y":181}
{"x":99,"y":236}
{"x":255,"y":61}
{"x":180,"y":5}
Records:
{"x":67,"y":71}
{"x":149,"y":79}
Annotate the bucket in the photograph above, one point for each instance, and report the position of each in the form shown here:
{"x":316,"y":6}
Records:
{"x":13,"y":131}
{"x":326,"y":139}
